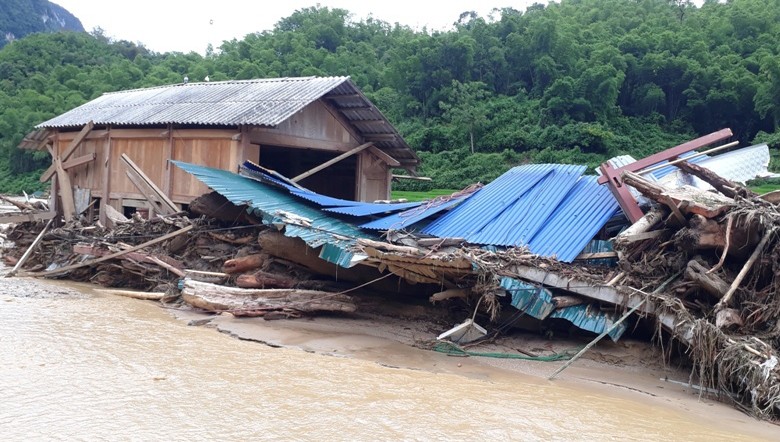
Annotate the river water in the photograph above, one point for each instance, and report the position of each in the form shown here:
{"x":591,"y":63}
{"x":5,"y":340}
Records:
{"x":85,"y":366}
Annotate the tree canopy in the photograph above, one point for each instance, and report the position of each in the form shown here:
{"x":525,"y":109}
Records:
{"x":576,"y":81}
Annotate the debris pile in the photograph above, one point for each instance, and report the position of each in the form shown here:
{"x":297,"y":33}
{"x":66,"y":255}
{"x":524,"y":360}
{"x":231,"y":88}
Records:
{"x":725,"y":247}
{"x":701,"y":263}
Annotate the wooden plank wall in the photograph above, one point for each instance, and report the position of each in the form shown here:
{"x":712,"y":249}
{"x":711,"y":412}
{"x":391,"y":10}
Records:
{"x":211,"y":153}
{"x":373,"y":178}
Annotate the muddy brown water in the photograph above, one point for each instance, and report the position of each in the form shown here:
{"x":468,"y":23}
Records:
{"x":86,"y":366}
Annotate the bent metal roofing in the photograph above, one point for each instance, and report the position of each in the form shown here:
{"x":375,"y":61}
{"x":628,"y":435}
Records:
{"x":549,"y":208}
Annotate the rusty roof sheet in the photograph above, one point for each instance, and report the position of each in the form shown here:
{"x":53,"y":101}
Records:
{"x":260,"y":102}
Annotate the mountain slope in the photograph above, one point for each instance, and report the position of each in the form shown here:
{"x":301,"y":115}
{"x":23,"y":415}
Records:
{"x":21,"y":17}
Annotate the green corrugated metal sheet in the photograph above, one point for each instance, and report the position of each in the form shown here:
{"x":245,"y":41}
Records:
{"x":533,"y":300}
{"x":589,"y":317}
{"x":277,"y":207}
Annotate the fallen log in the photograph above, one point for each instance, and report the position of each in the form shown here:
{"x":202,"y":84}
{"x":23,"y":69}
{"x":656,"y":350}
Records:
{"x":709,"y":282}
{"x":724,"y":302}
{"x":244,"y":263}
{"x":722,"y":185}
{"x":217,"y":298}
{"x":265,"y":280}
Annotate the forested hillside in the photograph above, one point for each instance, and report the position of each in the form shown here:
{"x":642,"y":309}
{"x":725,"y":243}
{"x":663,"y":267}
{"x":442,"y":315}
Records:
{"x":571,"y":82}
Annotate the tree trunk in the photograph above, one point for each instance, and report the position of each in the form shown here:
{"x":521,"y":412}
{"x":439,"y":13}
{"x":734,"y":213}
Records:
{"x":265,"y":280}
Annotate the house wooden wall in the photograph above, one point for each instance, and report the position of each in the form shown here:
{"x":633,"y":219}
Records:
{"x":317,"y":127}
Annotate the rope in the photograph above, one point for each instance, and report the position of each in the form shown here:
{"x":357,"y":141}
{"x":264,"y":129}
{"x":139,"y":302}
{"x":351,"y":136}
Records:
{"x":452,"y":349}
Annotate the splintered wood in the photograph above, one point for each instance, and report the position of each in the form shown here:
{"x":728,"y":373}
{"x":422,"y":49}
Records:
{"x":725,"y":249}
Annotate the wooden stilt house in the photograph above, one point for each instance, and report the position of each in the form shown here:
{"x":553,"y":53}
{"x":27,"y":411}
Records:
{"x":319,"y":131}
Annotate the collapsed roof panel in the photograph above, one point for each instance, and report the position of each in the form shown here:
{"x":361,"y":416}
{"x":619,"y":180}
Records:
{"x":575,"y":221}
{"x":282,"y":209}
{"x":516,"y":225}
{"x":489,"y":202}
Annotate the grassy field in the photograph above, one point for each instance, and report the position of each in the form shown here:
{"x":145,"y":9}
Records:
{"x":764,"y":188}
{"x":420,"y":196}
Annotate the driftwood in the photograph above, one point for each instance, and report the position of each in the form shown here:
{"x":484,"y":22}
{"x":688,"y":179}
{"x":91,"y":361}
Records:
{"x":245,"y":263}
{"x":722,"y":185}
{"x":710,"y":282}
{"x":216,"y":298}
{"x":265,"y":280}
{"x":448,"y":294}
{"x":745,"y":269}
{"x":113,"y":255}
{"x":149,"y":296}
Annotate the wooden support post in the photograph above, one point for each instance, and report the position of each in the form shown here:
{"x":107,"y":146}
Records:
{"x":106,"y":184}
{"x":69,"y":151}
{"x":66,"y":190}
{"x":332,"y":162}
{"x":167,"y":184}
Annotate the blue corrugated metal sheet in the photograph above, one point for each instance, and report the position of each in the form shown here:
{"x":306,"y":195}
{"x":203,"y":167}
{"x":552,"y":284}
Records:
{"x":408,"y":217}
{"x":533,"y":300}
{"x":272,"y":204}
{"x":366,"y":209}
{"x":520,"y":221}
{"x":589,"y":317}
{"x":489,"y":202}
{"x":575,"y":221}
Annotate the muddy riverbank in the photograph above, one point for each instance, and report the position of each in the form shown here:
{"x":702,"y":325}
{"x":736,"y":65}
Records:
{"x":82,"y":365}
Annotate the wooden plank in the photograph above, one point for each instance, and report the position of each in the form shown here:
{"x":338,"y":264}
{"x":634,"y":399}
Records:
{"x":113,"y":255}
{"x":106,"y":184}
{"x":94,"y":135}
{"x":596,"y":255}
{"x":390,"y":161}
{"x":167,"y":157}
{"x":29,"y":251}
{"x":271,"y":137}
{"x":332,"y":161}
{"x":74,"y":144}
{"x":409,"y":177}
{"x":66,"y":190}
{"x":148,"y":194}
{"x":161,"y":196}
{"x":79,"y":161}
{"x":27,"y":217}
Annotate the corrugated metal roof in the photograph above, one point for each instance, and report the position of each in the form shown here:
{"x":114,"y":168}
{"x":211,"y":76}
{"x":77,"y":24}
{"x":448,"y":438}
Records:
{"x":260,"y":102}
{"x":589,"y":317}
{"x":531,"y":299}
{"x":489,"y":202}
{"x":278,"y":207}
{"x":408,"y":217}
{"x":366,"y":209}
{"x":575,"y":221}
{"x":521,"y":220}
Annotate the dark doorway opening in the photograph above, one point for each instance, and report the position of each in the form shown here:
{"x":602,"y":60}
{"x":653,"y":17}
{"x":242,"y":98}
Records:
{"x":338,"y":180}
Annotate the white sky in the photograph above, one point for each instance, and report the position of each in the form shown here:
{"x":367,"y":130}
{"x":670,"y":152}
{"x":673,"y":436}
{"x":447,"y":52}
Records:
{"x":184,"y":26}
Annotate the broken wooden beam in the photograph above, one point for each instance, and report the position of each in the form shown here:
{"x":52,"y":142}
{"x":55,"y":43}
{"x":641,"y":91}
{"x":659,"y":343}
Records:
{"x":29,"y":251}
{"x":332,"y":161}
{"x":66,"y":269}
{"x":74,"y":144}
{"x":146,"y":186}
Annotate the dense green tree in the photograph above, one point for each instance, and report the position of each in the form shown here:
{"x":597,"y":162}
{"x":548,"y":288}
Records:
{"x":572,"y":81}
